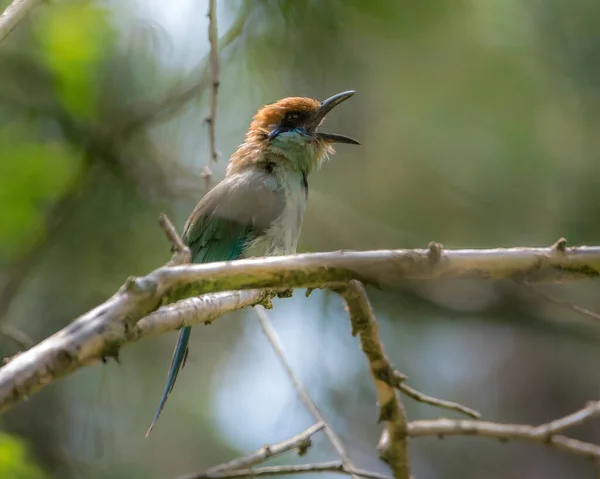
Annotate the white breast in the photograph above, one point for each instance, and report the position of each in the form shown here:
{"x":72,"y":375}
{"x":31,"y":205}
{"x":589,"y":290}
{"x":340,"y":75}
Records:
{"x":282,"y":236}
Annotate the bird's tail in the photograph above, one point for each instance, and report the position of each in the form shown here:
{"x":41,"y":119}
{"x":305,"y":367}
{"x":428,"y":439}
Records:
{"x":177,"y":363}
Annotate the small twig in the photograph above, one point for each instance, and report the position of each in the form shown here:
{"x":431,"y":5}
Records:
{"x":181,"y":253}
{"x":17,"y":336}
{"x":507,"y":432}
{"x":168,"y":105}
{"x":18,"y":270}
{"x":591,"y":410}
{"x":213,"y":37}
{"x":393,"y":443}
{"x":13,"y":14}
{"x":273,"y":338}
{"x":333,"y":466}
{"x":441,"y":403}
{"x":560,"y":302}
{"x":301,"y":442}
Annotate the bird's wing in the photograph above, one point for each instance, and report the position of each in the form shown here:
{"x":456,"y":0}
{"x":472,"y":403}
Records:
{"x":237,"y":210}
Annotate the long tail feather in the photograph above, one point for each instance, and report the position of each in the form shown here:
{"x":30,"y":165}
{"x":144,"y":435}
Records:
{"x":177,"y":363}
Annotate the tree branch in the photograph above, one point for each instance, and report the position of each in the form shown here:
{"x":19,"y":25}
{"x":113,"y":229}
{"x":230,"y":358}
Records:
{"x":104,"y":330}
{"x":335,"y":466}
{"x":441,"y":403}
{"x":213,"y":37}
{"x":301,"y":442}
{"x":560,"y":302}
{"x":275,"y":342}
{"x":393,"y":444}
{"x":16,"y":272}
{"x":181,"y":253}
{"x":17,"y":336}
{"x":160,"y":109}
{"x":507,"y":432}
{"x":13,"y":14}
{"x":591,"y":410}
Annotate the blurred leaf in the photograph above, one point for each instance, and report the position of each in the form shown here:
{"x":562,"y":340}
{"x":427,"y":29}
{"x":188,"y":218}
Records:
{"x":14,"y":460}
{"x":74,"y":38}
{"x":31,"y":174}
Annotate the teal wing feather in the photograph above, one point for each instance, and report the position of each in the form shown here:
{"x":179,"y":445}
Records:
{"x":234,"y":212}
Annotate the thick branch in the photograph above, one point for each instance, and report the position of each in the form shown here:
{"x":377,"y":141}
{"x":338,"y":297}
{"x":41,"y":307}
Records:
{"x":102,"y":331}
{"x":393,"y":444}
{"x":381,"y":268}
{"x":509,"y":432}
{"x":13,"y":14}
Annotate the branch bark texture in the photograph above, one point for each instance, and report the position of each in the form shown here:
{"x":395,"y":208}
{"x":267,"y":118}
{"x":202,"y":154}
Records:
{"x":133,"y":312}
{"x":13,"y":14}
{"x":509,"y":432}
{"x":393,"y":443}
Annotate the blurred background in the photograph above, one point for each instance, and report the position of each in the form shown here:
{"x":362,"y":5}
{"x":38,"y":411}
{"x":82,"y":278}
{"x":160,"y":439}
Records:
{"x":479,"y":127}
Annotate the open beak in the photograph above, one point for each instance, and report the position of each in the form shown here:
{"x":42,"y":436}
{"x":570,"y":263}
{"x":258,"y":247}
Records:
{"x":325,"y":107}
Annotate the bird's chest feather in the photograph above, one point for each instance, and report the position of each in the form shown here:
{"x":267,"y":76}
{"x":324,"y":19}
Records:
{"x":281,"y":237}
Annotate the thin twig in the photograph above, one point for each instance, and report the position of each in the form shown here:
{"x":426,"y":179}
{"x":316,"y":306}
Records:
{"x":393,"y":443}
{"x":591,"y":410}
{"x":301,"y":442}
{"x":13,"y":14}
{"x":441,"y":403}
{"x":17,"y":336}
{"x":334,"y":466}
{"x":508,"y":432}
{"x":158,"y":110}
{"x":181,"y":253}
{"x":214,"y":75}
{"x":273,"y":338}
{"x":17,"y":271}
{"x":560,"y":302}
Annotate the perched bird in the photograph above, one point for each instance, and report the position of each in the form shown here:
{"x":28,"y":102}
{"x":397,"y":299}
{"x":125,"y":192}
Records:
{"x":258,"y":209}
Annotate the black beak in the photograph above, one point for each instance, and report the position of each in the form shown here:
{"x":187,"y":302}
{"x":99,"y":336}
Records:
{"x":325,"y":107}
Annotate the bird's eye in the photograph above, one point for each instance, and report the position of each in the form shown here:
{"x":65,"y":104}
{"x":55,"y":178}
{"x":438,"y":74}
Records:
{"x":293,"y":117}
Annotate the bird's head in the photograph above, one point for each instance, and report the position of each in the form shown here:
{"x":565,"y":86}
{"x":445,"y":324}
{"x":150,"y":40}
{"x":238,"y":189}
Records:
{"x":287,"y":129}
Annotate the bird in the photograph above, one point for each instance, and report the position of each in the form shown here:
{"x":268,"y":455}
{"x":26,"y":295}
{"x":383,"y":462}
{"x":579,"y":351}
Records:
{"x":258,"y":208}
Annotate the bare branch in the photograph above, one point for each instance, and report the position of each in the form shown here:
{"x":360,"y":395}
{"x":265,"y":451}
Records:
{"x":181,"y":253}
{"x":16,"y":335}
{"x":214,"y":74}
{"x":441,"y":403}
{"x":393,"y":443}
{"x":301,"y":442}
{"x":158,"y":110}
{"x":509,"y":432}
{"x":14,"y":13}
{"x":273,"y":338}
{"x":196,"y":310}
{"x":591,"y":410}
{"x":562,"y":303}
{"x":18,"y":270}
{"x":102,"y":331}
{"x":334,"y":466}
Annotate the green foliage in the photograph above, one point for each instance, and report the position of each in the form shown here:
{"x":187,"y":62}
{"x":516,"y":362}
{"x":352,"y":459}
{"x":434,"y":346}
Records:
{"x":74,"y":38}
{"x":15,"y":462}
{"x":32,"y":174}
